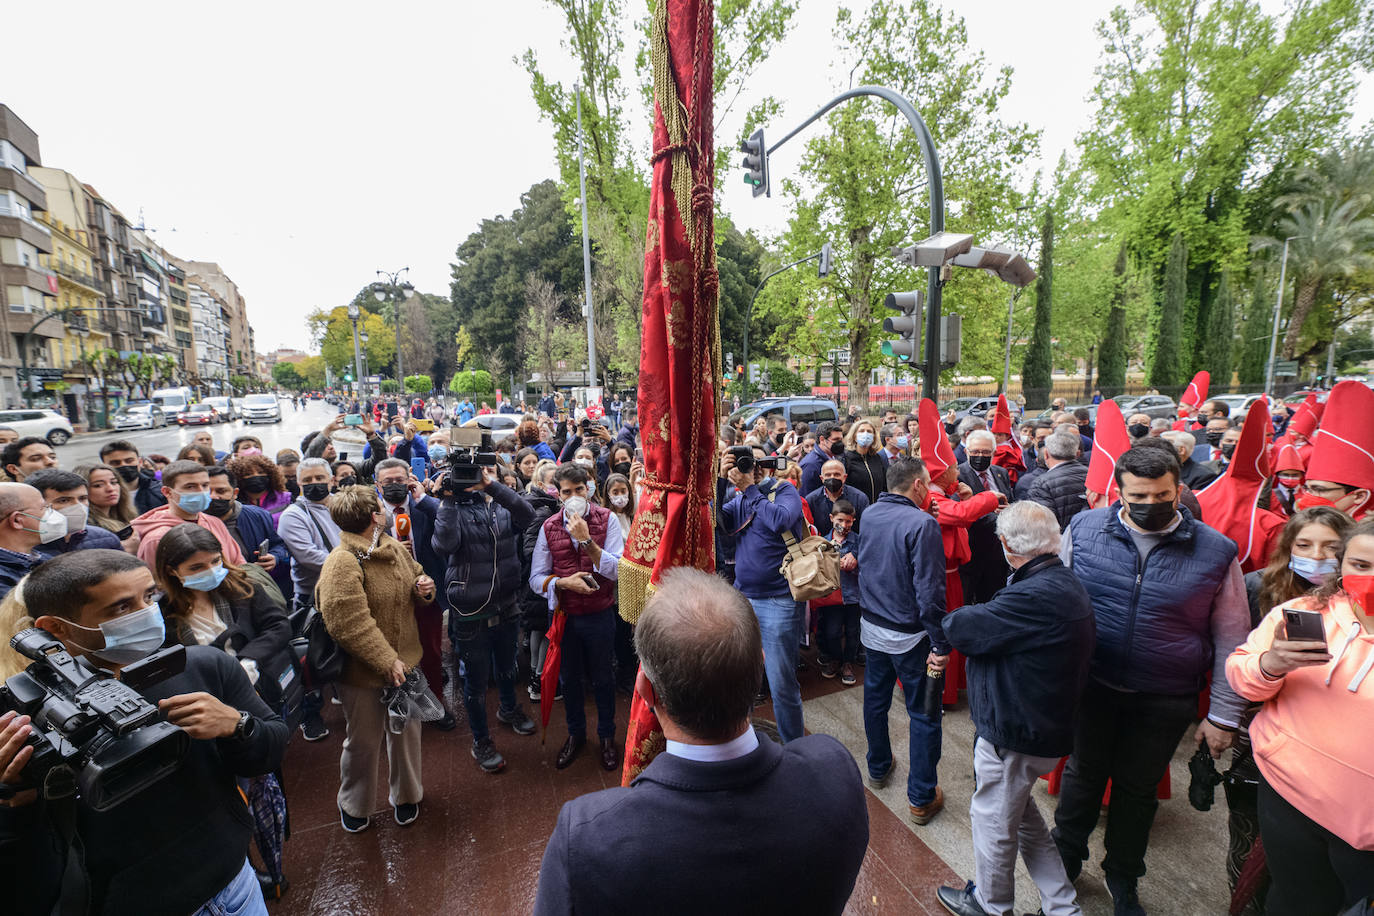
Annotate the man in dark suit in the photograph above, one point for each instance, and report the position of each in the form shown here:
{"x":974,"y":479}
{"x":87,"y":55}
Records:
{"x":987,"y":572}
{"x":723,"y":811}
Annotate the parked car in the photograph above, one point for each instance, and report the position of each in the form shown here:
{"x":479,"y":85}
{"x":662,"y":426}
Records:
{"x":500,"y":425}
{"x":1051,"y":411}
{"x":1154,"y":406}
{"x":1239,"y":404}
{"x":201,"y":414}
{"x":973,"y":407}
{"x":809,"y":410}
{"x":225,"y":406}
{"x":139,"y":416}
{"x":45,"y":423}
{"x":261,"y":408}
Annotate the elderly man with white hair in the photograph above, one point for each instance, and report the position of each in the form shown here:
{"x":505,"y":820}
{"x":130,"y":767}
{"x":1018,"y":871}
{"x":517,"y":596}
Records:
{"x":1028,"y":652}
{"x":986,"y":572}
{"x":1194,"y":474}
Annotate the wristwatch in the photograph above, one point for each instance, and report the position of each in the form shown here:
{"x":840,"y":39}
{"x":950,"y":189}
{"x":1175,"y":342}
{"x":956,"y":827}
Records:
{"x":584,"y":544}
{"x":244,"y":727}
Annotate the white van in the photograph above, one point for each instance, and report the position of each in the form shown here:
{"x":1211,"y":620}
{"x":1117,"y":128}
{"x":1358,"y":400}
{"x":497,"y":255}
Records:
{"x":172,"y":400}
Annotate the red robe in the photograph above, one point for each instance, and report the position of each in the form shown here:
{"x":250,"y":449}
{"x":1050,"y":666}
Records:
{"x":955,"y":518}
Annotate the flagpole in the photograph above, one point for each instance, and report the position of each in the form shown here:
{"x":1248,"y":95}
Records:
{"x":586,"y":249}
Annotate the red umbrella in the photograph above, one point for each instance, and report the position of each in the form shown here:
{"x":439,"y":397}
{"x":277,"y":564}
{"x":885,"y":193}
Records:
{"x":680,"y":341}
{"x":553,"y":661}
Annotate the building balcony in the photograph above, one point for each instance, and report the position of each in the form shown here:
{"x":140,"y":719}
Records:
{"x":25,"y":186}
{"x":35,"y":233}
{"x":41,"y":324}
{"x":32,"y":277}
{"x":79,"y":277}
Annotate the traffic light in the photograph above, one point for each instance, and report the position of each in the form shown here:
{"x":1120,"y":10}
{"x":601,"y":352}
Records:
{"x":348,"y":377}
{"x":756,"y":163}
{"x":823,"y":267}
{"x":908,"y":324}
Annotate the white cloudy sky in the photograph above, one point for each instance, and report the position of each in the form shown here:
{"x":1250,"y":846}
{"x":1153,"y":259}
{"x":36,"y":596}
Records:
{"x":303,"y":145}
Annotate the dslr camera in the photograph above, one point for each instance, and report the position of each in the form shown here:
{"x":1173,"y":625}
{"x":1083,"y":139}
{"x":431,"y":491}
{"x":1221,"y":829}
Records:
{"x":94,"y":736}
{"x":469,"y":450}
{"x":745,"y":462}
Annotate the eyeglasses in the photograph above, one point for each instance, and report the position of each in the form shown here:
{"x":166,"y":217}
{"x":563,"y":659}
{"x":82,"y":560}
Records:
{"x":1322,"y":491}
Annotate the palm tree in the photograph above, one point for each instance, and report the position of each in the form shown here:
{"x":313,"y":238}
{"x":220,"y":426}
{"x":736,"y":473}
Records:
{"x":1329,"y":240}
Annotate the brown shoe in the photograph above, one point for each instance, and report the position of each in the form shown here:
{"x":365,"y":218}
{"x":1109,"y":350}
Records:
{"x":610,"y":757}
{"x":569,"y":752}
{"x":921,"y":814}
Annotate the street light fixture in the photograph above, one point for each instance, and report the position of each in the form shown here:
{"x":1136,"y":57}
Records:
{"x":936,"y":251}
{"x":1278,"y":306}
{"x":1009,"y":267}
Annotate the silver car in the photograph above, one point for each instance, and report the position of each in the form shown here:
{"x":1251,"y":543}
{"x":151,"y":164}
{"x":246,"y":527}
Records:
{"x":261,"y":408}
{"x":139,"y":416}
{"x":1155,"y":406}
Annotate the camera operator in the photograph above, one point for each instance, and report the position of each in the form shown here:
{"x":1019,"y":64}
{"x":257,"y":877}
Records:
{"x":757,"y":516}
{"x":477,"y":532}
{"x":175,"y":846}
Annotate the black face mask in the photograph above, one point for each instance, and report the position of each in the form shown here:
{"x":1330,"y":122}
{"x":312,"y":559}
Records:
{"x":345,"y":482}
{"x":833,"y":484}
{"x":1213,"y":438}
{"x":219,"y":508}
{"x":1138,"y":430}
{"x":836,"y":448}
{"x":315,"y":492}
{"x":1228,"y":449}
{"x":395,"y":492}
{"x":1151,"y":516}
{"x":257,"y":483}
{"x":128,"y":472}
{"x":980,"y":463}
{"x":621,"y":467}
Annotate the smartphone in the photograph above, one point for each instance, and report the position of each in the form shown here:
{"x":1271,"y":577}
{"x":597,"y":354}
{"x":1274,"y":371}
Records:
{"x":1306,"y":625}
{"x":343,"y":456}
{"x":353,"y":419}
{"x":590,"y":580}
{"x":262,"y":549}
{"x":639,"y":455}
{"x":417,"y":467}
{"x":125,"y":533}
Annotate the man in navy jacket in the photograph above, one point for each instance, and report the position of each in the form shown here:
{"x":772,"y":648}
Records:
{"x":1028,"y":649}
{"x":762,"y":509}
{"x":723,"y":812}
{"x":902,"y":584}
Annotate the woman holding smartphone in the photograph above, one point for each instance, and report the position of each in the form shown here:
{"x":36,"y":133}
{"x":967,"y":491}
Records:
{"x":1313,"y":737}
{"x":112,"y":508}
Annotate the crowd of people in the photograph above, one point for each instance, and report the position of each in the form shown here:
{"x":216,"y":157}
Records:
{"x":1094,"y":586}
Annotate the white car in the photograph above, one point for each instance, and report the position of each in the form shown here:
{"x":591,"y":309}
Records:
{"x":139,"y":416}
{"x":41,"y":422}
{"x":261,"y":408}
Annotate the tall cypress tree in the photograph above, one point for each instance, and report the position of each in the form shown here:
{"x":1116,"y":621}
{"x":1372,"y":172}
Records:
{"x":1166,"y":369}
{"x":1254,"y":344}
{"x":1111,"y":375}
{"x":1219,"y":336}
{"x":1036,"y":382}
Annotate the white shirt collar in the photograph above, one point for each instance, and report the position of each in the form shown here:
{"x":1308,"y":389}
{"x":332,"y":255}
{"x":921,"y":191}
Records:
{"x":745,"y":744}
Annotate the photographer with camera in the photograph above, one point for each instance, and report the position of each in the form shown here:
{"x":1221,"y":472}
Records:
{"x":477,"y":531}
{"x":757,"y":516}
{"x":175,"y":844}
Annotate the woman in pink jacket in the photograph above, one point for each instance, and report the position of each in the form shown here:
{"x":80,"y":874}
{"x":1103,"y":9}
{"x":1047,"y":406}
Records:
{"x":1314,"y":740}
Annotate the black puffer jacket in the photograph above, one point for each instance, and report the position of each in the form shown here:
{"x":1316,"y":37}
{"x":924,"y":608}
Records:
{"x":866,"y":473}
{"x":478,"y":540}
{"x":534,"y":608}
{"x":1061,"y":489}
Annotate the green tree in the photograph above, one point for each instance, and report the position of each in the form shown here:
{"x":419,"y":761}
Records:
{"x":1166,"y":366}
{"x":311,"y":370}
{"x":419,"y":384}
{"x":861,"y":184}
{"x":1354,"y":347}
{"x":1219,"y":339}
{"x":1037,"y":370}
{"x":1330,"y":241}
{"x":335,"y":339}
{"x":1113,"y":352}
{"x":286,"y":376}
{"x":472,"y":382}
{"x":1254,"y":343}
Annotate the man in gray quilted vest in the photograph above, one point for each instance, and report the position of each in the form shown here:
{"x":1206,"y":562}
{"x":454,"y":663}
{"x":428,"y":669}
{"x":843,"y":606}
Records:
{"x":1170,"y":605}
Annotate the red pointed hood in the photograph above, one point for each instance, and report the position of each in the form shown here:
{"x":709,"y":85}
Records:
{"x":1001,"y":417}
{"x":1109,"y":442}
{"x":1306,"y":417}
{"x":1195,"y":395}
{"x":935,"y":448}
{"x":1231,"y":504}
{"x":1343,"y":449}
{"x":1289,"y":459}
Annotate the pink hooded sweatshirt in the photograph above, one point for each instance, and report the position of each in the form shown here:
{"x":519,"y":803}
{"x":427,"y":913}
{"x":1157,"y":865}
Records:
{"x":1314,"y":736}
{"x":153,"y":524}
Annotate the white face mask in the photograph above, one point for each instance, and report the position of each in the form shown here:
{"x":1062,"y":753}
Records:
{"x":76,"y":515}
{"x":52,"y":525}
{"x":620,"y":500}
{"x":575,"y":505}
{"x":863,"y":440}
{"x":583,"y":462}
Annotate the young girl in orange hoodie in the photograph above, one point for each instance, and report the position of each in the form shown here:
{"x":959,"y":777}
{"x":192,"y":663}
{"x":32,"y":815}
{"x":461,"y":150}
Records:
{"x":1313,"y":739}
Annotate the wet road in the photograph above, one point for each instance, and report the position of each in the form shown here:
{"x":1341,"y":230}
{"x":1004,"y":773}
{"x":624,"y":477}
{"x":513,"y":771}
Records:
{"x":170,"y":440}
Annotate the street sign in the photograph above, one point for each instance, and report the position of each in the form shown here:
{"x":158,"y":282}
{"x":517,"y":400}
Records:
{"x":1288,"y":367}
{"x":373,"y":379}
{"x":40,"y":372}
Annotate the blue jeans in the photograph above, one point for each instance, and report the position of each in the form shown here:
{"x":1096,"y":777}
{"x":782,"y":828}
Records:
{"x":880,"y":676}
{"x":240,"y":897}
{"x":485,"y":650}
{"x":588,"y":647}
{"x":781,"y":622}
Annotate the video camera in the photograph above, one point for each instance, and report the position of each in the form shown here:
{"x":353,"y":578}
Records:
{"x":93,"y":735}
{"x":469,"y":450}
{"x":745,"y":460}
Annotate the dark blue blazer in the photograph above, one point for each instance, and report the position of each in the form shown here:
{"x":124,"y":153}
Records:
{"x":422,"y":533}
{"x":256,"y":525}
{"x":785,"y":822}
